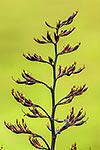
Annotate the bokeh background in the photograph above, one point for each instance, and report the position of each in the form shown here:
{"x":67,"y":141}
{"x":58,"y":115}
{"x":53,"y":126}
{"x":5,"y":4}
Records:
{"x":22,"y":20}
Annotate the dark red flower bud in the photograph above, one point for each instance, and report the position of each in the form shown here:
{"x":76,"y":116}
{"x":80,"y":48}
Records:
{"x":49,"y":37}
{"x":66,"y":32}
{"x":50,"y":60}
{"x":79,"y":70}
{"x":74,"y":48}
{"x":80,"y":123}
{"x":50,"y":26}
{"x":58,"y":24}
{"x":35,"y":142}
{"x":59,"y":71}
{"x":56,"y":37}
{"x":40,"y":41}
{"x":49,"y":128}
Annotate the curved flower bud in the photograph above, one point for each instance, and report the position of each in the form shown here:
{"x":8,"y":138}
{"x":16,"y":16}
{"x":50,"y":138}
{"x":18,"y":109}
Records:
{"x":49,"y":37}
{"x":49,"y":25}
{"x":66,"y":32}
{"x":59,"y":121}
{"x":58,"y":24}
{"x":59,"y":71}
{"x":40,"y":41}
{"x":50,"y":60}
{"x":79,"y":70}
{"x":49,"y":128}
{"x":56,"y":37}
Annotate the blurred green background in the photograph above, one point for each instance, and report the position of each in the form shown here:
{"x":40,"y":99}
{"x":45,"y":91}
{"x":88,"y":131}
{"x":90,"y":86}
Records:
{"x":22,"y":20}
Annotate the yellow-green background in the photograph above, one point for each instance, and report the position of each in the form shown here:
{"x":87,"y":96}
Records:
{"x":20,"y":21}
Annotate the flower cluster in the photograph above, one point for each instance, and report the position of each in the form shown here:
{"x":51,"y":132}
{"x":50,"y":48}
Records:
{"x":68,"y":70}
{"x":75,"y":91}
{"x":48,"y":38}
{"x":33,"y":57}
{"x":21,"y":99}
{"x":68,"y":49}
{"x":69,"y":20}
{"x":28,"y":103}
{"x":38,"y":58}
{"x":29,"y":80}
{"x":18,"y":128}
{"x":37,"y":111}
{"x":45,"y":40}
{"x":72,"y":120}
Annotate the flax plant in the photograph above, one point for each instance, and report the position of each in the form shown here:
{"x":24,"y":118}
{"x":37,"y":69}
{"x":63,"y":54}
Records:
{"x":36,"y":110}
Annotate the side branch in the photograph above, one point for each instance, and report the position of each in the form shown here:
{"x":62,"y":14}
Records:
{"x":37,"y":58}
{"x":73,"y":120}
{"x":68,"y":70}
{"x":19,"y":97}
{"x":41,"y":82}
{"x":75,"y":91}
{"x":43,"y":111}
{"x":20,"y":128}
{"x":29,"y":80}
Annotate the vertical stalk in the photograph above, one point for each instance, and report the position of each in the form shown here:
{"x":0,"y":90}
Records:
{"x":53,"y":100}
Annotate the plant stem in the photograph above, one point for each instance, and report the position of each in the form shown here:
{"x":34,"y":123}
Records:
{"x":43,"y":111}
{"x":41,"y":82}
{"x":53,"y":100}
